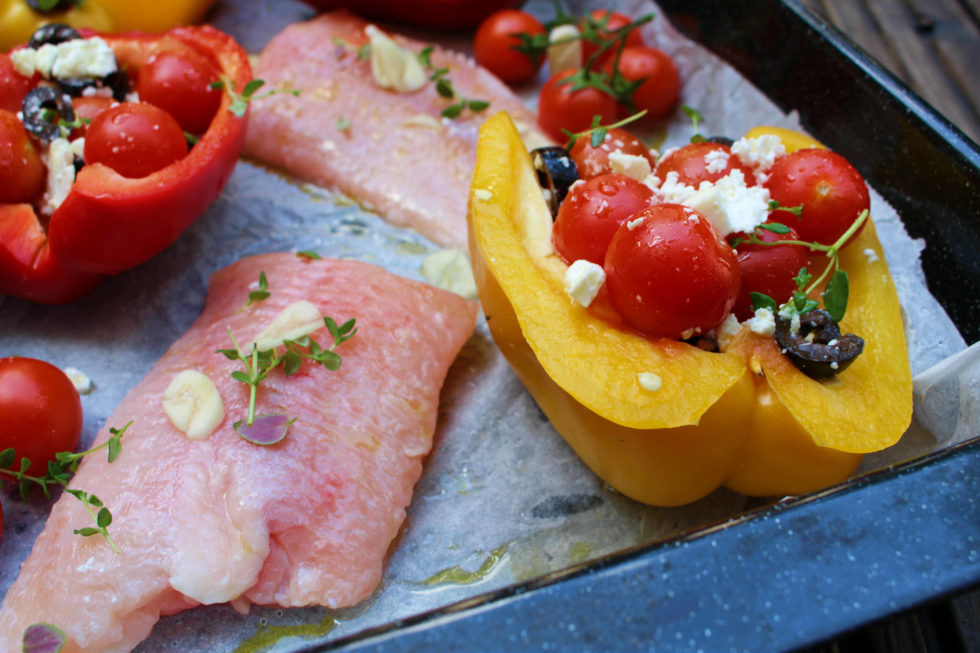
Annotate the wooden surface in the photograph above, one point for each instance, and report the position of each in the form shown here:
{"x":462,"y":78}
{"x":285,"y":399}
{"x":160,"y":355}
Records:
{"x":931,"y":45}
{"x":934,"y":47}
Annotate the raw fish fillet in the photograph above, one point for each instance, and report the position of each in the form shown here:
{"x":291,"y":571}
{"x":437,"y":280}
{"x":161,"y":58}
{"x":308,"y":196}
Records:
{"x":306,"y":521}
{"x":398,"y":157}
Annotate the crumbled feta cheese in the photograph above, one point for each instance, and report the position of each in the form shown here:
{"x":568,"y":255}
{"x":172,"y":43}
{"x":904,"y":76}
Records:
{"x":630,"y":165}
{"x":730,"y":204}
{"x":482,"y":194}
{"x":564,"y":49}
{"x":763,"y":322}
{"x":649,"y":381}
{"x":77,"y":147}
{"x":759,"y":153}
{"x":674,"y":191}
{"x":787,"y":313}
{"x":392,"y":66}
{"x":633,"y":224}
{"x":716,"y":160}
{"x":60,"y":162}
{"x":871,"y":255}
{"x":726,"y":331}
{"x":75,"y":58}
{"x":79,"y":379}
{"x":450,"y":270}
{"x":583,"y":279}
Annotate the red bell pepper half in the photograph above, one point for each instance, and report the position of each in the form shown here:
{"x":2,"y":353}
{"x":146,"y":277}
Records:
{"x":109,"y":223}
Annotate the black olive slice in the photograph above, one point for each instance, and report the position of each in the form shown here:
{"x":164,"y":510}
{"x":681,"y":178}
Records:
{"x":556,"y":173}
{"x":53,"y":33}
{"x":50,"y":7}
{"x":818,"y":349}
{"x":724,"y":140}
{"x":41,"y":109}
{"x":116,"y":81}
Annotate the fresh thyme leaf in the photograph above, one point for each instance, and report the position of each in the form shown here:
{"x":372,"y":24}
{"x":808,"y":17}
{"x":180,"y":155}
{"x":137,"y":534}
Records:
{"x":696,"y":119}
{"x":453,"y":110}
{"x":7,"y":457}
{"x":364,"y":52}
{"x":88,"y":531}
{"x":836,"y":295}
{"x":425,"y":56}
{"x":762,"y":300}
{"x":43,"y":638}
{"x":802,"y":278}
{"x":774,"y":227}
{"x":445,"y":88}
{"x":343,"y":124}
{"x":261,"y":293}
{"x":306,"y":253}
{"x":774,"y":205}
{"x":477,"y":105}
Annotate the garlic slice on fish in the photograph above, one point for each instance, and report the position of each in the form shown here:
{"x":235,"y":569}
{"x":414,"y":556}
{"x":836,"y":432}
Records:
{"x":301,"y":318}
{"x":393,"y":66}
{"x":193,"y":405}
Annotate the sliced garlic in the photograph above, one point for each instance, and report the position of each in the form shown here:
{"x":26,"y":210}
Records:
{"x":564,"y":49}
{"x":295,"y":321}
{"x":193,"y":405}
{"x":393,"y":66}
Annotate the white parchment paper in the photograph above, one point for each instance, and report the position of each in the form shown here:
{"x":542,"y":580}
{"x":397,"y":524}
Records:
{"x":501,"y":490}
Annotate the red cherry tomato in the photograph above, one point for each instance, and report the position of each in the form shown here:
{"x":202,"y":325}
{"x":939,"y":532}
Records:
{"x":559,"y":107}
{"x":40,"y":411}
{"x":134,"y":139}
{"x":697,"y":162}
{"x":607,"y":22}
{"x":672,"y":275}
{"x":86,"y":109}
{"x":830,"y":189}
{"x":661,"y":82}
{"x":13,"y":85}
{"x":593,"y":161}
{"x":180,"y":84}
{"x":769,"y":270}
{"x":21,"y":170}
{"x":495,"y":40}
{"x":591,"y":213}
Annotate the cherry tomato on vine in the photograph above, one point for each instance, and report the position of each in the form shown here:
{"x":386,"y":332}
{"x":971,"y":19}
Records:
{"x":21,"y":170}
{"x":180,"y":84}
{"x":661,"y":85}
{"x":766,"y":269}
{"x":13,"y":85}
{"x":86,"y":109}
{"x":40,"y":411}
{"x":134,"y":139}
{"x":697,"y":162}
{"x":831,"y":190}
{"x":592,"y":161}
{"x":591,"y":213}
{"x":560,"y":107}
{"x":613,"y":21}
{"x":495,"y":40}
{"x":671,"y":275}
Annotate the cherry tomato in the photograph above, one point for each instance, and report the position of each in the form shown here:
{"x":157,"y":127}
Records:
{"x":86,"y":109}
{"x":13,"y":85}
{"x":611,"y":21}
{"x":559,"y":107}
{"x":40,"y":411}
{"x":830,"y":189}
{"x":671,"y":275}
{"x":134,"y":139}
{"x":21,"y":170}
{"x":697,"y":162}
{"x":495,"y":40}
{"x":591,"y":213}
{"x":180,"y":84}
{"x":661,"y":82}
{"x":593,"y":161}
{"x":767,"y":269}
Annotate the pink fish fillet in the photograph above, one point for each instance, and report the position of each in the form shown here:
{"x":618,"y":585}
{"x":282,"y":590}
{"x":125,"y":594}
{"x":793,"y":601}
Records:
{"x":305,"y":521}
{"x":397,"y":156}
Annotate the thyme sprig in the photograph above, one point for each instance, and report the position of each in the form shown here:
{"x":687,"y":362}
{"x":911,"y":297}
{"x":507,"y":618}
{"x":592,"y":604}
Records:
{"x":240,"y":101}
{"x":444,"y":87}
{"x":835,"y":295}
{"x":597,"y":131}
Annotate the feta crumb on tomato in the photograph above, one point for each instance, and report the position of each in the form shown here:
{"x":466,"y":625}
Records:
{"x":583,"y":279}
{"x":759,"y":153}
{"x":730,"y":205}
{"x":633,"y":224}
{"x":392,"y":66}
{"x":716,"y":160}
{"x":60,"y":162}
{"x":76,"y":58}
{"x":649,"y":381}
{"x":630,"y":165}
{"x":763,"y":322}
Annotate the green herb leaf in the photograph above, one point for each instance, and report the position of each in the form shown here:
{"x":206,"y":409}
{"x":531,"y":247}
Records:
{"x":307,"y":253}
{"x":774,"y":227}
{"x":343,"y":124}
{"x":761,"y":300}
{"x":104,"y":518}
{"x":261,"y":293}
{"x":774,"y":205}
{"x":477,"y":105}
{"x":454,"y":110}
{"x":445,"y":89}
{"x":425,"y":56}
{"x":802,"y":278}
{"x":43,"y":638}
{"x":7,"y":457}
{"x":836,"y":295}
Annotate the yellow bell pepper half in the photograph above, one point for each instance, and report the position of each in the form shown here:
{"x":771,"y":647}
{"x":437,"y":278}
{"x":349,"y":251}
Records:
{"x":745,"y":418}
{"x":18,"y":20}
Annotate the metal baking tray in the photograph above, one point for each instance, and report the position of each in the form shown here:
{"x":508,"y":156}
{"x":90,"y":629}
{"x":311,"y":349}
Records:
{"x":800,"y":571}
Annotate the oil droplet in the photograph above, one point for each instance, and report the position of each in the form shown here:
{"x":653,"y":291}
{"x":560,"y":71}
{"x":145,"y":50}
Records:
{"x":459,"y":576}
{"x":266,"y":636}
